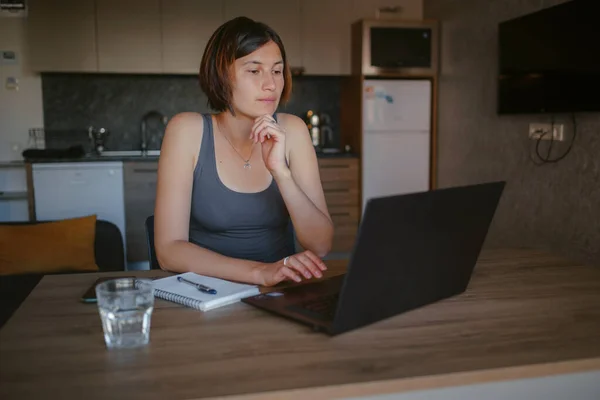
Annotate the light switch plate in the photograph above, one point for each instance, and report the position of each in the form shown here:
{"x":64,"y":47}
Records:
{"x":12,"y":83}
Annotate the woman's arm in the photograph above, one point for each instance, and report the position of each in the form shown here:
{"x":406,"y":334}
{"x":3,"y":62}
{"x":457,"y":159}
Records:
{"x":301,"y":188}
{"x":174,"y":252}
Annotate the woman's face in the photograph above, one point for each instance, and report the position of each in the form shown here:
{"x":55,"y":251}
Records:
{"x":258,"y":81}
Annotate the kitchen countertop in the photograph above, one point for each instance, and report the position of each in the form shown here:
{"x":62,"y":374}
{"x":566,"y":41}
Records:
{"x":127,"y":158}
{"x":12,"y":164}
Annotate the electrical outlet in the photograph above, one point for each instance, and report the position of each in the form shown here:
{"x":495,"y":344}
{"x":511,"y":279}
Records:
{"x":538,"y":130}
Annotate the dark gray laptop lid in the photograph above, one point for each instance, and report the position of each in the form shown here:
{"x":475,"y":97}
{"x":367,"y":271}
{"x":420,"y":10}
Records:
{"x":414,"y":249}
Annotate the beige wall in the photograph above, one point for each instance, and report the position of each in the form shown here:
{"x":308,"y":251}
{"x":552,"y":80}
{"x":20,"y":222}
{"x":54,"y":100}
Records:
{"x":19,"y":109}
{"x":554,"y":206}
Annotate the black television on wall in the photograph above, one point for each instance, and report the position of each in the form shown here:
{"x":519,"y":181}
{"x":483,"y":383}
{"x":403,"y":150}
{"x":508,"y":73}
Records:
{"x":549,"y":61}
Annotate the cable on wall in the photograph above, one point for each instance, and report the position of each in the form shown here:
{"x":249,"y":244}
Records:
{"x":541,"y":160}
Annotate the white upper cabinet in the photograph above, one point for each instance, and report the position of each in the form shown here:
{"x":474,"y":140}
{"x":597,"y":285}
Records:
{"x":186,"y":27}
{"x":326,"y":36}
{"x":129,"y":36}
{"x":169,"y":36}
{"x":281,"y":15}
{"x":62,"y":35}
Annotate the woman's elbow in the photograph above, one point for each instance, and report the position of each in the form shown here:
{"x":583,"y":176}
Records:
{"x":322,"y":247}
{"x":162,"y":252}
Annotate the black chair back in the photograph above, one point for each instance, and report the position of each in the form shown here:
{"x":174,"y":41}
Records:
{"x":109,"y":248}
{"x":150,"y":240}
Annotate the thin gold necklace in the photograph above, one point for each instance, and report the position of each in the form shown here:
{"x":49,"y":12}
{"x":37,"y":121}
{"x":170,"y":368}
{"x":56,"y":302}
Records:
{"x":246,"y":162}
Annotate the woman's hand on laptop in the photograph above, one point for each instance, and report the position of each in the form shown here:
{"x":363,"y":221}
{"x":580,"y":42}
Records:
{"x":295,"y":267}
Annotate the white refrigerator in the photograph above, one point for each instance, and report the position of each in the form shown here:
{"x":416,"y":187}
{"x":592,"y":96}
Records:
{"x":396,"y":137}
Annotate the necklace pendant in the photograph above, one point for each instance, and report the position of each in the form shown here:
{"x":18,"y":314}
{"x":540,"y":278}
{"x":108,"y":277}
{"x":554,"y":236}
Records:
{"x":247,"y":166}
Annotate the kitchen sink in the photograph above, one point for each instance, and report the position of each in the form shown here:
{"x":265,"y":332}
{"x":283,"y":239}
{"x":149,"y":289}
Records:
{"x":130,"y":153}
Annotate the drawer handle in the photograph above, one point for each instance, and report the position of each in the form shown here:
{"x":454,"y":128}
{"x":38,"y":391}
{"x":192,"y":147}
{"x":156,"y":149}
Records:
{"x":145,"y":170}
{"x":337,"y":190}
{"x":335,"y":166}
{"x":340,"y":214}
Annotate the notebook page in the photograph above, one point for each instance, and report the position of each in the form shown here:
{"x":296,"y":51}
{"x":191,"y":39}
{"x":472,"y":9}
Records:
{"x":227,"y":292}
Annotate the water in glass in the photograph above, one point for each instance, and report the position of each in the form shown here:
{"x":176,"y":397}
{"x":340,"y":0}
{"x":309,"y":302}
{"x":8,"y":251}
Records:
{"x":125,"y":307}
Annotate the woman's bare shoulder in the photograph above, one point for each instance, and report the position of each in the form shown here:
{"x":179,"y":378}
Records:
{"x":185,"y":123}
{"x":184,"y":129}
{"x":292,"y":124}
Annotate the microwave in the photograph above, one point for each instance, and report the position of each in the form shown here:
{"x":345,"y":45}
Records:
{"x":395,"y":47}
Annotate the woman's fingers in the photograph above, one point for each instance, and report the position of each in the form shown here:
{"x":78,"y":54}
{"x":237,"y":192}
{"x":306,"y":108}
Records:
{"x":290,"y":274}
{"x":318,"y":262}
{"x":295,"y":263}
{"x":305,"y":265}
{"x":263,"y":127}
{"x":310,"y":265}
{"x":266,"y":130}
{"x":258,"y":121}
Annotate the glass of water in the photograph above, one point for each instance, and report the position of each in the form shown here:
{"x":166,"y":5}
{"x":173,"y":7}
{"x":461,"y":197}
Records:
{"x":125,"y":307}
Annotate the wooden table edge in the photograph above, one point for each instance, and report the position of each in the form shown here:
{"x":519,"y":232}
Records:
{"x":426,"y":382}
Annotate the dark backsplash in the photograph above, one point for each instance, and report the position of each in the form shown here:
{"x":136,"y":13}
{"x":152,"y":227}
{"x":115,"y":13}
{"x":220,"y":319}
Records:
{"x":117,"y":102}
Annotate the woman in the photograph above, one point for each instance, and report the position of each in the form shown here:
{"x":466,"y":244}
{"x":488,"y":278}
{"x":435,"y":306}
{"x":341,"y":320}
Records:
{"x":229,"y":184}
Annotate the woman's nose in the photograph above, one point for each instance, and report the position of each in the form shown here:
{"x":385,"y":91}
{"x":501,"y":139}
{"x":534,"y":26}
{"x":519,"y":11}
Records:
{"x":269,"y":82}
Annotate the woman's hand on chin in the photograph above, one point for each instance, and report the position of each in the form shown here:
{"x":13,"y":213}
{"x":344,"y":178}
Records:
{"x":271,"y":137}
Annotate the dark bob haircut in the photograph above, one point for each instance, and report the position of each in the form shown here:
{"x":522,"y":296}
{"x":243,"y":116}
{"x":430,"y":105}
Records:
{"x":232,"y":40}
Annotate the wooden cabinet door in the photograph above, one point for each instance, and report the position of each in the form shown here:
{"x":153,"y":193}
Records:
{"x":340,"y":180}
{"x":282,"y":16}
{"x":325,"y":38}
{"x":139,"y":181}
{"x":186,"y":27}
{"x":62,"y":36}
{"x":129,"y":36}
{"x":408,"y":9}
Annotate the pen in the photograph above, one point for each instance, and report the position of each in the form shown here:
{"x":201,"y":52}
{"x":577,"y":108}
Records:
{"x":198,"y":286}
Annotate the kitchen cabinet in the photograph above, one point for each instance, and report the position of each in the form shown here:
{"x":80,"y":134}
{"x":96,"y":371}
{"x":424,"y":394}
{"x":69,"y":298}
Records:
{"x":186,"y":27}
{"x":140,"y":179}
{"x":129,"y":36}
{"x":408,"y":9}
{"x":13,"y":193}
{"x":61,"y":35}
{"x":326,"y":40}
{"x":282,"y":16}
{"x":340,"y":180}
{"x":161,"y":36}
{"x":71,"y":190}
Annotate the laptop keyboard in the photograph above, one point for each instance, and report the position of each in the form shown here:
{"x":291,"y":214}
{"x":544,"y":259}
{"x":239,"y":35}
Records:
{"x":321,"y":308}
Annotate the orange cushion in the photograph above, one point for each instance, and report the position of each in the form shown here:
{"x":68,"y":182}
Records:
{"x":46,"y":247}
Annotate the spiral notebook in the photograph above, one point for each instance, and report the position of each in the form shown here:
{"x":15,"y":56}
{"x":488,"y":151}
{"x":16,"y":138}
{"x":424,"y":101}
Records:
{"x":185,"y":294}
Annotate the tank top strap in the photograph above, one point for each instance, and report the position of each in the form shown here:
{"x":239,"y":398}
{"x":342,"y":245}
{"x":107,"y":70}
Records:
{"x":206,"y":156}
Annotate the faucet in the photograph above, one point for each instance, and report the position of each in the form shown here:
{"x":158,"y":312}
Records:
{"x":163,"y":119}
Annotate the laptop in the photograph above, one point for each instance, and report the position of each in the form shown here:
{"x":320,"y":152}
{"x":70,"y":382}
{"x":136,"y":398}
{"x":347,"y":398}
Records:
{"x":411,"y":250}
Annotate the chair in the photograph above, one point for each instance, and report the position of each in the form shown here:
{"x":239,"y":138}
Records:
{"x":108,"y":250}
{"x":150,"y":240}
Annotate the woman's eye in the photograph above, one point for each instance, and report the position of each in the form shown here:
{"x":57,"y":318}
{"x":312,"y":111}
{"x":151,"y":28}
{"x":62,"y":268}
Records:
{"x":277,"y":72}
{"x":254,"y":71}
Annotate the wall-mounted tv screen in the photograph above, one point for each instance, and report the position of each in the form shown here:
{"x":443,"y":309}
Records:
{"x":549,"y":61}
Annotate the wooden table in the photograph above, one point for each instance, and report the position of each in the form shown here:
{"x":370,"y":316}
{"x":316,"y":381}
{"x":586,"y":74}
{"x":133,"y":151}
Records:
{"x":525,"y":314}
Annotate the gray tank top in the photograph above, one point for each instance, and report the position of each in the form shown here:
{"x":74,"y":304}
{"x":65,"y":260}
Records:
{"x":252,"y":226}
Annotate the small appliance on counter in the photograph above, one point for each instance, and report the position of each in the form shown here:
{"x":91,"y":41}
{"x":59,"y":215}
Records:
{"x":98,"y":139}
{"x":321,"y":133}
